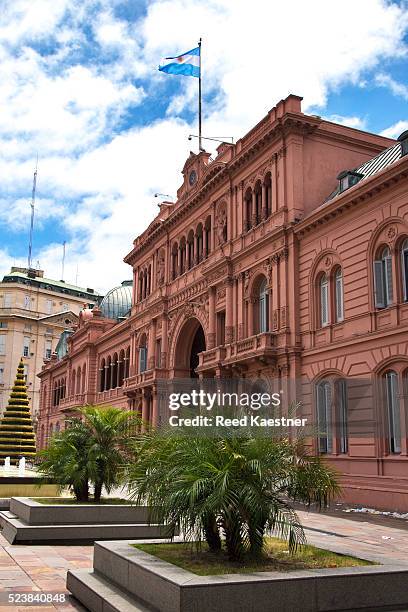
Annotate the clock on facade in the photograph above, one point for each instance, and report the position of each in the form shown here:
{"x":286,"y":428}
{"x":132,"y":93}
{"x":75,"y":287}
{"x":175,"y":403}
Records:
{"x":192,"y":177}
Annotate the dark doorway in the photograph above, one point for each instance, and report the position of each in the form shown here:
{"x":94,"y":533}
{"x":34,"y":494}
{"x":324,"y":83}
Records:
{"x":197,"y":347}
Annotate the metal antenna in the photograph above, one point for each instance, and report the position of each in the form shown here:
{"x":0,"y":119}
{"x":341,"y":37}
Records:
{"x":63,"y":260}
{"x":32,"y":204}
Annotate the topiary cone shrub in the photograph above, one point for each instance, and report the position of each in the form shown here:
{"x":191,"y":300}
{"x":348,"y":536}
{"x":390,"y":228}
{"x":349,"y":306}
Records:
{"x":17,"y":437}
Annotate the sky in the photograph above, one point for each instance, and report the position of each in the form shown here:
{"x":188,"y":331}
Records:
{"x":79,"y":87}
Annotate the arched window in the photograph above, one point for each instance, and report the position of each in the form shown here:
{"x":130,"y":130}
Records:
{"x":83,"y":378}
{"x":324,"y":416}
{"x":190,"y":250}
{"x":324,"y":300}
{"x":263,"y":307}
{"x":79,"y":380}
{"x":338,"y":294}
{"x":207,"y":237}
{"x":404,"y":269}
{"x":393,"y":411}
{"x":73,"y":384}
{"x":268,"y":196}
{"x":174,"y":260}
{"x":383,"y":278}
{"x":143,"y":355}
{"x":199,"y":243}
{"x":248,"y":209}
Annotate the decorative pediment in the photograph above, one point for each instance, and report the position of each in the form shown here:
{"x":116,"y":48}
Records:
{"x":67,"y":319}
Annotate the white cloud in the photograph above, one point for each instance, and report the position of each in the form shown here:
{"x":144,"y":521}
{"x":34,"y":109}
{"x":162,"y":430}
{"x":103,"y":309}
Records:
{"x":354,"y":122}
{"x":395,"y":130}
{"x":96,"y":179}
{"x":398,"y":89}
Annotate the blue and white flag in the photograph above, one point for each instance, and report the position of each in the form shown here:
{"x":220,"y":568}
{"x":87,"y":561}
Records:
{"x":187,"y":64}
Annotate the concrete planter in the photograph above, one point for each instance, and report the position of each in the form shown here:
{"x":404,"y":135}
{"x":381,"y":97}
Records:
{"x":36,"y":513}
{"x":29,"y":521}
{"x":123,"y":574}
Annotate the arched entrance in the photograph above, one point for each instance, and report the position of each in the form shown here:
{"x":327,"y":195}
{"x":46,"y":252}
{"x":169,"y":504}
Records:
{"x":190,"y":342}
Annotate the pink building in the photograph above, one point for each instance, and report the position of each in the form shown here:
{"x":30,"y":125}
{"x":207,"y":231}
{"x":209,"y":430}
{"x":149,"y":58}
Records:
{"x":285,"y":258}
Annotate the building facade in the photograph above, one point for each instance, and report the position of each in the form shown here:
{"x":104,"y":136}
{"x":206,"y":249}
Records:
{"x":34,"y":311}
{"x":284,"y":259}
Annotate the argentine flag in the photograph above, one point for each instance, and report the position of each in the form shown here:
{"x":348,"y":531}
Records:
{"x":187,"y":64}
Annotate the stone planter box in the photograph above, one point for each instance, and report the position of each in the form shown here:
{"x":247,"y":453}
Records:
{"x":29,"y":521}
{"x":125,"y":578}
{"x":36,"y":513}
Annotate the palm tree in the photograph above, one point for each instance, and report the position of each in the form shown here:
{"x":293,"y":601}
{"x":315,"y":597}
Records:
{"x":65,"y":460}
{"x":238,"y":487}
{"x":108,"y":451}
{"x":93,"y":449}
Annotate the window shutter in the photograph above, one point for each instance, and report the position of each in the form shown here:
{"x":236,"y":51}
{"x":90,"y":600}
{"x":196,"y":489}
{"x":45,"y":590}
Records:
{"x":378,"y":285}
{"x":343,"y":417}
{"x":388,"y":280}
{"x":324,"y":416}
{"x":393,"y":412}
{"x":324,"y":303}
{"x":339,"y":298}
{"x":404,"y":256}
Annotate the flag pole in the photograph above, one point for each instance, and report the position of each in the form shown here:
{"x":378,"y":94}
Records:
{"x":199,"y":100}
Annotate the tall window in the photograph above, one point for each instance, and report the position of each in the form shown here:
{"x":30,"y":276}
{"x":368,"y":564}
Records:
{"x":393,"y":412}
{"x":26,"y":346}
{"x":383,"y":279}
{"x":341,"y":402}
{"x":324,"y":300}
{"x":404,"y":269}
{"x":1,"y":375}
{"x":25,"y":372}
{"x":2,"y":344}
{"x":142,"y":359}
{"x":48,"y":306}
{"x":263,"y":307}
{"x":338,"y":294}
{"x":7,"y":300}
{"x":323,"y":402}
{"x":27,"y":302}
{"x":48,"y":349}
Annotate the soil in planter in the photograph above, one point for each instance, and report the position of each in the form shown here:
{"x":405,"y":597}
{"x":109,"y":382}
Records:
{"x":276,"y":558}
{"x":116,"y":501}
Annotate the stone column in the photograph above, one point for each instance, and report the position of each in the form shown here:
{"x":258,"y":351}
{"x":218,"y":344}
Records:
{"x":211,"y":318}
{"x":250,"y":317}
{"x":254,"y":219}
{"x":151,"y":346}
{"x":274,"y":186}
{"x":165,"y":340}
{"x":145,"y":406}
{"x":155,"y":408}
{"x":264,"y":202}
{"x":106,"y":379}
{"x":229,"y":330}
{"x":240,"y":306}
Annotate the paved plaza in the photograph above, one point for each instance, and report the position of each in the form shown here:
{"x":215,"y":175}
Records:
{"x":44,"y":568}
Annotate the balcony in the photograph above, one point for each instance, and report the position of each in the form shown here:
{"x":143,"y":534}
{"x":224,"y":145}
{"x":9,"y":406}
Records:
{"x":144,"y":379}
{"x":260,"y":347}
{"x":72,"y":401}
{"x":212,"y":359}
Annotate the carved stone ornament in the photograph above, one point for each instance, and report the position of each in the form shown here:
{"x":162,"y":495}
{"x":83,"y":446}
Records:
{"x":221,"y":224}
{"x":328,"y":261}
{"x":391,"y":232}
{"x":160,"y":268}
